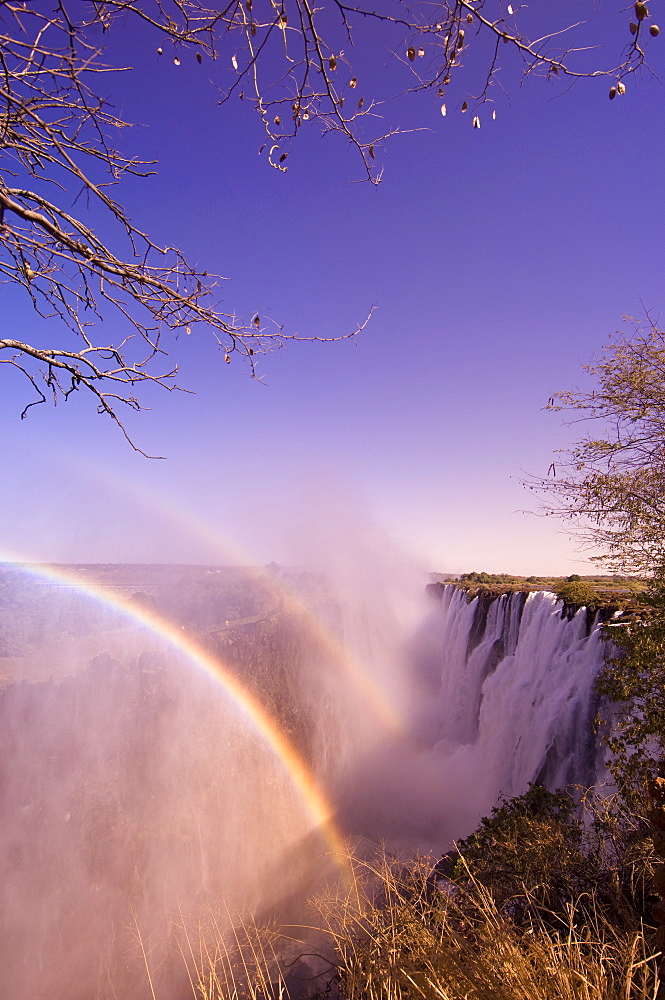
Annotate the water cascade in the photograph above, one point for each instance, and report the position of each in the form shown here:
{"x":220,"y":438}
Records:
{"x":139,"y":792}
{"x":503,"y":695}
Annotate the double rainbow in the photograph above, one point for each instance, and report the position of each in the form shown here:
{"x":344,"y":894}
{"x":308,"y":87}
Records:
{"x":316,"y":804}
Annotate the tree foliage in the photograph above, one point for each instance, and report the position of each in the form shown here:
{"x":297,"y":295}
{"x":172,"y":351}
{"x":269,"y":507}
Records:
{"x":557,"y":852}
{"x":633,"y":679}
{"x":577,"y":592}
{"x":391,"y":936}
{"x":611,"y":484}
{"x":532,"y":843}
{"x":67,"y":240}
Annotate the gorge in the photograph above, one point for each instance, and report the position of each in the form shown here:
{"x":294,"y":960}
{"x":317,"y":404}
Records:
{"x":192,"y":748}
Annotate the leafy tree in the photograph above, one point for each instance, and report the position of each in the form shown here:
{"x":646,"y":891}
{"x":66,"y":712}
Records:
{"x":550,"y":853}
{"x":547,"y":849}
{"x":634,"y":680}
{"x":577,"y":592}
{"x":528,"y":843}
{"x":614,"y":486}
{"x":611,"y":484}
{"x":60,"y":163}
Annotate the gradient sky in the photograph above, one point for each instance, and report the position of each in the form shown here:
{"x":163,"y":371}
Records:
{"x":499,"y":260}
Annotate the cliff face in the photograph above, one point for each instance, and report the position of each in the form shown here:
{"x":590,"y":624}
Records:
{"x":132,"y":789}
{"x":510,"y":683}
{"x":608,"y":604}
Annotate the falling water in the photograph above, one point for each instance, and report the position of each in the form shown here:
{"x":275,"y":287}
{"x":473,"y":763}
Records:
{"x":138,"y":802}
{"x":504,"y":696}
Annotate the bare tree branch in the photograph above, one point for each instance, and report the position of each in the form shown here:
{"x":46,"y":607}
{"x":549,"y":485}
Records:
{"x":291,"y":59}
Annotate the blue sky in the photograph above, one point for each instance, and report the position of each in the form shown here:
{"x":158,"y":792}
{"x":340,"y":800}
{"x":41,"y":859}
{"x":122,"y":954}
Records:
{"x":498,"y":260}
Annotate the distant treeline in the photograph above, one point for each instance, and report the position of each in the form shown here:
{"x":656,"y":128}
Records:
{"x":574,"y":589}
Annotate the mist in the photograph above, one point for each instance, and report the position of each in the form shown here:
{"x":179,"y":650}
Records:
{"x":183,"y":749}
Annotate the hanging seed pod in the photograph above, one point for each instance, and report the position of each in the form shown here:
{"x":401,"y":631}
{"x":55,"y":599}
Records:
{"x":446,"y":79}
{"x":227,"y":359}
{"x":460,"y":43}
{"x":353,"y":83}
{"x":283,"y":20}
{"x":332,"y":64}
{"x":252,"y":29}
{"x":234,"y":62}
{"x":160,"y":51}
{"x":360,"y":103}
{"x":251,"y":350}
{"x":613,"y":93}
{"x":469,"y":18}
{"x":465,"y":106}
{"x":410,"y":53}
{"x":421,"y":52}
{"x":444,"y":110}
{"x":278,"y":120}
{"x":494,"y":115}
{"x":440,"y":91}
{"x":199,"y":58}
{"x":248,"y":4}
{"x":654,"y":30}
{"x":281,"y":160}
{"x":371,"y":152}
{"x":641,"y":10}
{"x":256,"y":321}
{"x":176,"y":61}
{"x":510,"y":9}
{"x":633,"y":28}
{"x":476,"y":122}
{"x":621,"y":88}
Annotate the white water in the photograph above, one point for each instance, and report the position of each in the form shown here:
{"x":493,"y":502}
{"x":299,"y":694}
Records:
{"x":500,"y":705}
{"x":134,"y":784}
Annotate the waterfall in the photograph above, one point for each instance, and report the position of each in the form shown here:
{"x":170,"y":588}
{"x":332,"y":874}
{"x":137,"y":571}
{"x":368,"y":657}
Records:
{"x":503,"y":695}
{"x":135,"y":794}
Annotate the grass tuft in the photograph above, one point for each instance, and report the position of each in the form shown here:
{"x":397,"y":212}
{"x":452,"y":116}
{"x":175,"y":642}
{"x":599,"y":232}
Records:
{"x":397,"y":935}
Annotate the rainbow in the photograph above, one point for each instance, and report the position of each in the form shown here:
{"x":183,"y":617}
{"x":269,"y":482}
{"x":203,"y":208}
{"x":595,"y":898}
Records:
{"x":372,"y":694}
{"x":317,"y":805}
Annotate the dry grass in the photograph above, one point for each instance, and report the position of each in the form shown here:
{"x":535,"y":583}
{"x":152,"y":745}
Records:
{"x":235,"y":960}
{"x":397,"y":936}
{"x":393,"y":933}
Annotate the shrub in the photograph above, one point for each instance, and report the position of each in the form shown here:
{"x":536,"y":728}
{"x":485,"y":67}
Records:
{"x":529,"y":845}
{"x":395,"y":936}
{"x":577,"y":592}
